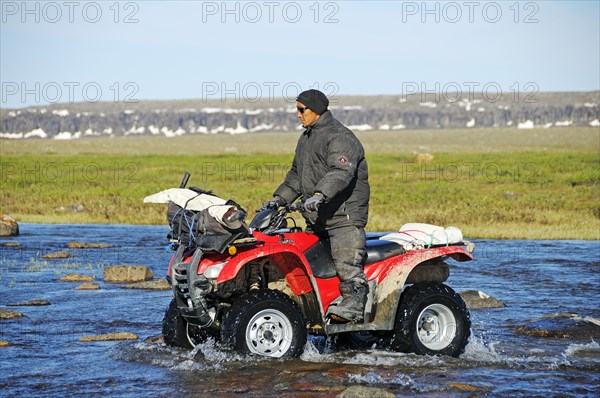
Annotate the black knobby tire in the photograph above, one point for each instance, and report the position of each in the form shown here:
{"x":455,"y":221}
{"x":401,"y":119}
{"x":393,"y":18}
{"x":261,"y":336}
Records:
{"x":179,"y":333}
{"x":432,"y":319}
{"x":266,"y":323}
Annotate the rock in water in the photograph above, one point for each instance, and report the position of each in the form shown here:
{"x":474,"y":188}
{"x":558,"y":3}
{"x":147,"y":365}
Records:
{"x":365,"y":392}
{"x":10,"y":244}
{"x":155,"y":340}
{"x":88,"y":245}
{"x":570,"y":326}
{"x":8,"y":314}
{"x":159,"y":284}
{"x":58,"y":254}
{"x":109,"y":337}
{"x":4,"y":343}
{"x":475,"y":299}
{"x":8,"y":226}
{"x":34,"y":302}
{"x":127,"y":273}
{"x":76,"y":278}
{"x":88,"y":286}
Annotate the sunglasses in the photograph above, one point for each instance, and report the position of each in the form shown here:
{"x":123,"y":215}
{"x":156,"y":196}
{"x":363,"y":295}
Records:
{"x":301,"y":110}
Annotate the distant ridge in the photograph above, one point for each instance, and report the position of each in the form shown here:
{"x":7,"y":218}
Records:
{"x":360,"y":113}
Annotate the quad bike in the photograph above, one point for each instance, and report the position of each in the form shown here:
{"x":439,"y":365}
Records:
{"x":272,"y":285}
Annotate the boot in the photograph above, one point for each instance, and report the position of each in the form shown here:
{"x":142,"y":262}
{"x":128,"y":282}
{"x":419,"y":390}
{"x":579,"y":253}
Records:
{"x":352,"y":306}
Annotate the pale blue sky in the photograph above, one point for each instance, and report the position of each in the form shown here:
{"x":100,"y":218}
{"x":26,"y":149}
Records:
{"x":194,"y":49}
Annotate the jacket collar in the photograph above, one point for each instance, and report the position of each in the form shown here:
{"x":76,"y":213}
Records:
{"x":319,"y":123}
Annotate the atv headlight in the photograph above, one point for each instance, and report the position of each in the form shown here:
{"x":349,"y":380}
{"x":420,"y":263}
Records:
{"x":214,"y":270}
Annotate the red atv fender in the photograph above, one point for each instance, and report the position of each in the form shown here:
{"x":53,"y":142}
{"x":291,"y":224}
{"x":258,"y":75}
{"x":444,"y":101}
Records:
{"x":286,"y":251}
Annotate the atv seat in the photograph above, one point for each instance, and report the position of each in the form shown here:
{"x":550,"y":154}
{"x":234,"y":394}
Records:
{"x":378,"y":250}
{"x":321,"y":262}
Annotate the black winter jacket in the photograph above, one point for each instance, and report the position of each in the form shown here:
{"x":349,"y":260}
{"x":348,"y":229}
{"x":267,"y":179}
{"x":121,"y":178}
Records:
{"x":331,"y":160}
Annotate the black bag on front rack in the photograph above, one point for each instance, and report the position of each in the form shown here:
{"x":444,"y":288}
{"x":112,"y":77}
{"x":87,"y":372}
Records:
{"x":200,"y":229}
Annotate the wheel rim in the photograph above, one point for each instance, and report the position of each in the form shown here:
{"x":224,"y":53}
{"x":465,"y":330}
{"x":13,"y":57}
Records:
{"x":191,"y":331}
{"x":436,"y":327}
{"x":269,"y":333}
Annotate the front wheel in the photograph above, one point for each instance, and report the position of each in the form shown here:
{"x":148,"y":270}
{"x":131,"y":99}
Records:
{"x":432,"y":319}
{"x":266,"y":323}
{"x":179,"y":333}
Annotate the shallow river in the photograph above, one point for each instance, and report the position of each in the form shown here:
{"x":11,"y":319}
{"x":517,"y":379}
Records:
{"x":533,"y":278}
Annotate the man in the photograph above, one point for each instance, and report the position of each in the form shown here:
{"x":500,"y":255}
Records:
{"x":330,"y":171}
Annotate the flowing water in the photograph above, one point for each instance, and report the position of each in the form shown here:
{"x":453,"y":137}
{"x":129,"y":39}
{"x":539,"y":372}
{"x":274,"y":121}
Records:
{"x":45,"y":357}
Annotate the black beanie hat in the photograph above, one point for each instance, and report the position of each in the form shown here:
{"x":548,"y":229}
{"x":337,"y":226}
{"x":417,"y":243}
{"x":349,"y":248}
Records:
{"x":314,"y":100}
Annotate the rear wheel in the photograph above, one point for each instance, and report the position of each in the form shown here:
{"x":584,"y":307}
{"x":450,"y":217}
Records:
{"x":432,"y":319}
{"x":266,"y":323}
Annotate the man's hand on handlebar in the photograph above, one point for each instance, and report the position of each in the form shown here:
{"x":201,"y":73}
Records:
{"x":274,"y":203}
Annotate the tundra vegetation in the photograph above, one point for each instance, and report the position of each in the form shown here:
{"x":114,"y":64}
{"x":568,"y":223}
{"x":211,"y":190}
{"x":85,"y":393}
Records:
{"x":491,"y":183}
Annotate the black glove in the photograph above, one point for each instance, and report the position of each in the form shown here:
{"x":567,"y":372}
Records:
{"x":274,"y":203}
{"x":313,"y":203}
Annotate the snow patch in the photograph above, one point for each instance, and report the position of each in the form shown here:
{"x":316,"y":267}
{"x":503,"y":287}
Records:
{"x":66,"y":135}
{"x":238,"y":130}
{"x":595,"y":123}
{"x":12,"y":136}
{"x":61,"y":112}
{"x":548,"y":125}
{"x":525,"y":125}
{"x":565,"y":123}
{"x":471,"y":123}
{"x":219,"y":129}
{"x":135,"y":130}
{"x":262,"y":127}
{"x":361,"y":127}
{"x":428,"y":104}
{"x":384,"y":127}
{"x":36,"y":133}
{"x":398,"y":127}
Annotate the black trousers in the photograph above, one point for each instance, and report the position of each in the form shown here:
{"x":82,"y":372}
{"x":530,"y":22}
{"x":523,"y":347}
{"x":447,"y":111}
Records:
{"x":348,"y":249}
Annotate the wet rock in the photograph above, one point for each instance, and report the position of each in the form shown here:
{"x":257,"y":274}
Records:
{"x":466,"y":387}
{"x":127,"y":273}
{"x":4,"y":343}
{"x":10,"y":244}
{"x":32,"y":303}
{"x":475,"y":299}
{"x":76,"y":208}
{"x":8,"y":314}
{"x":58,"y":254}
{"x":109,"y":337}
{"x":76,"y":278}
{"x":570,"y":326}
{"x":88,"y":286}
{"x":88,"y":245}
{"x":155,"y":340}
{"x":159,"y":284}
{"x":365,"y":392}
{"x":8,"y":226}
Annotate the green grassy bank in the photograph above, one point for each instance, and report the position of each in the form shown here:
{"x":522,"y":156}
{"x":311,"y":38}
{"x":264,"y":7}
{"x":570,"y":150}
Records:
{"x":489,"y":183}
